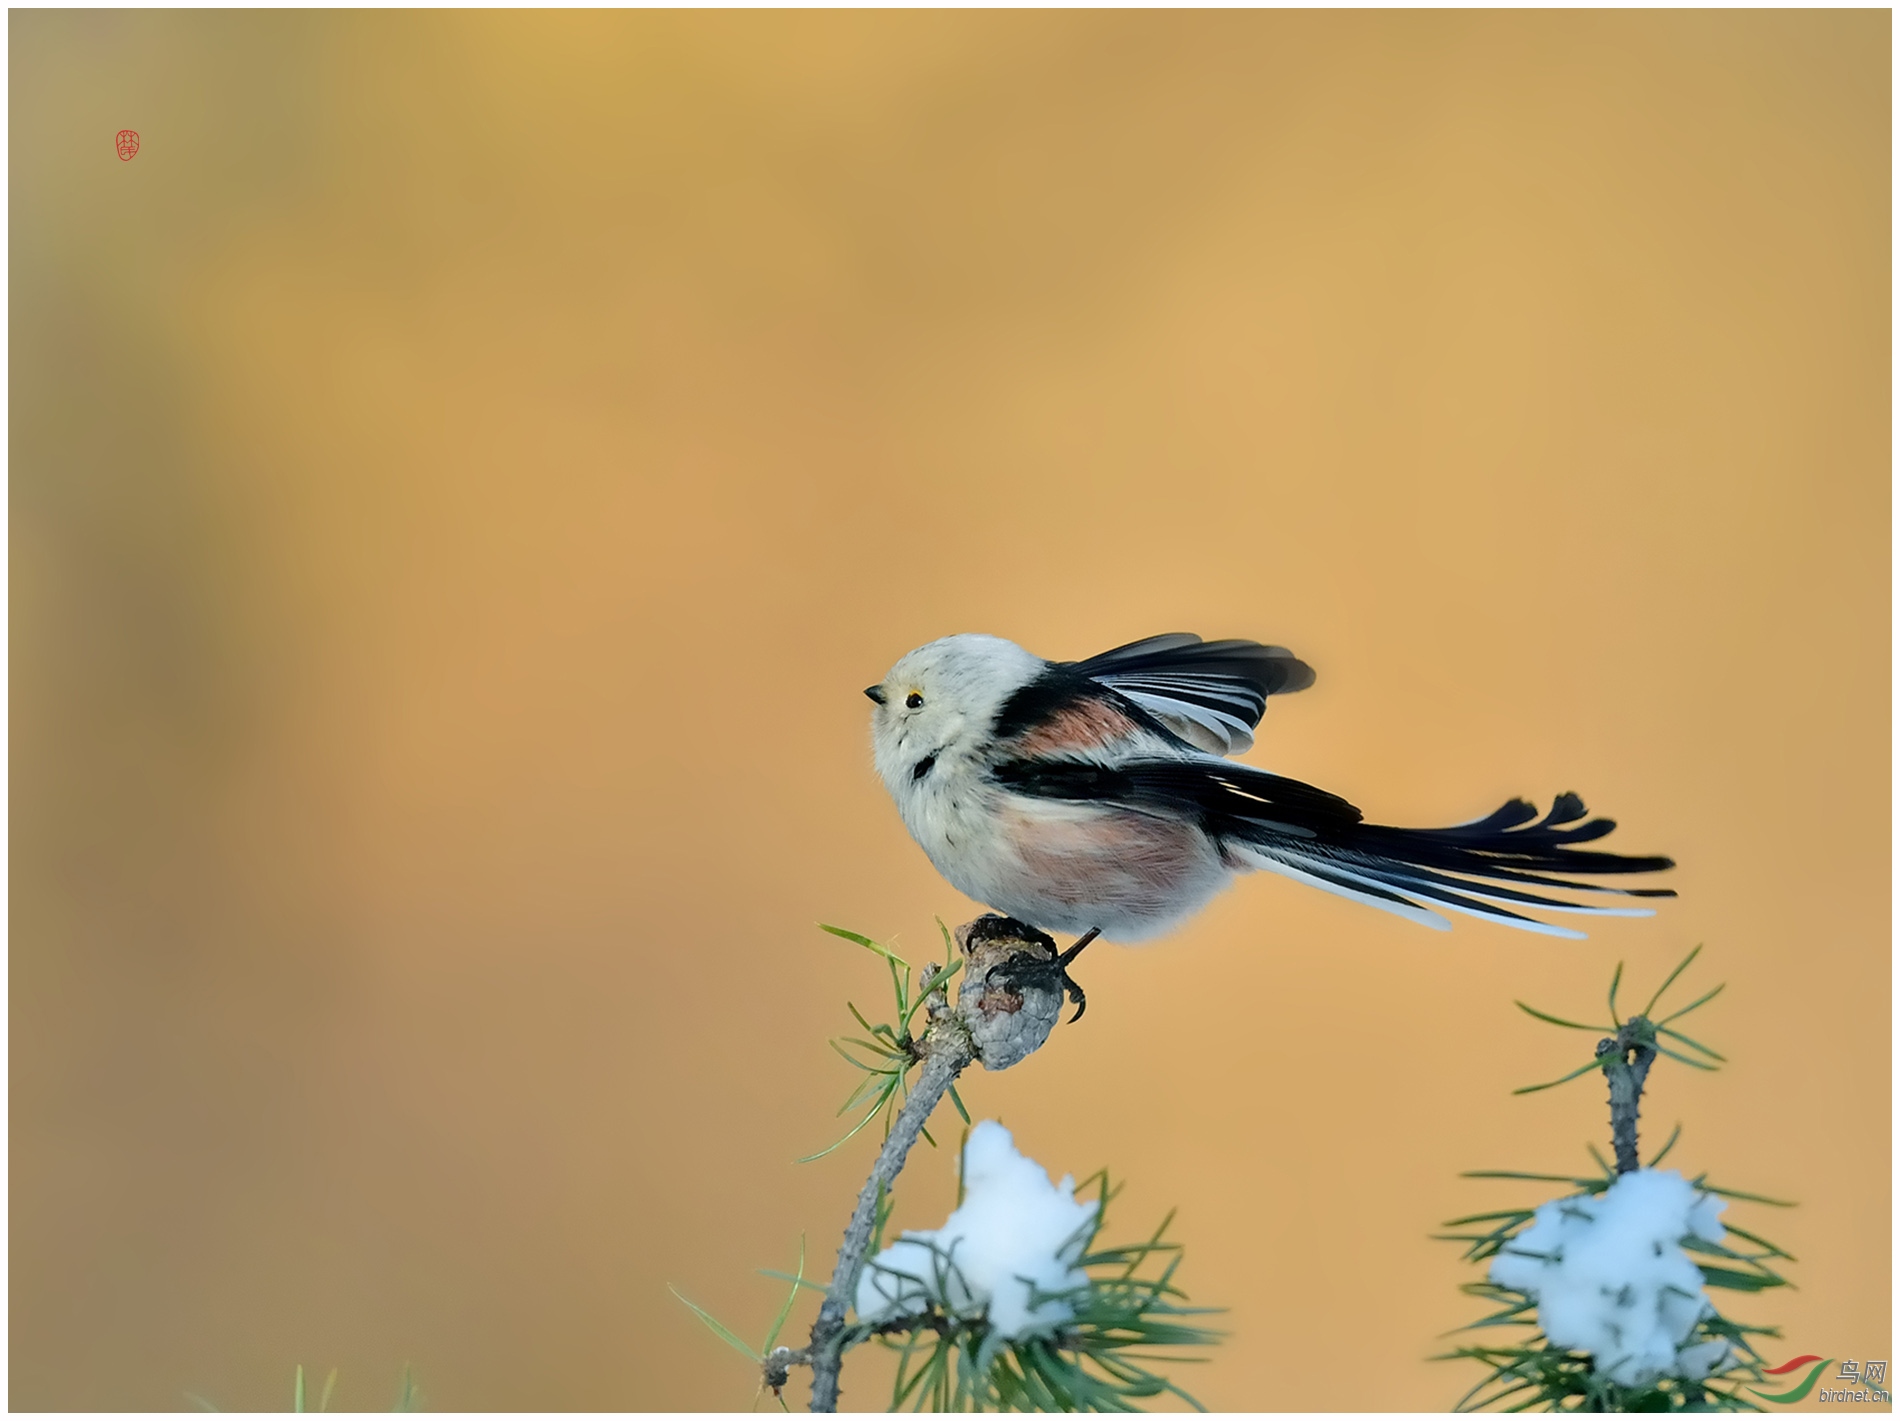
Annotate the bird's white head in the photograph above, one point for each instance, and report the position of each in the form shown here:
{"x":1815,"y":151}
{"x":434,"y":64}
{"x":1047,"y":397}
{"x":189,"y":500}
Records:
{"x":933,"y":712}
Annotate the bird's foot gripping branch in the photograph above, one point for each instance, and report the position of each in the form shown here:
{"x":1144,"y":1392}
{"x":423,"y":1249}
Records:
{"x":1013,"y":1303}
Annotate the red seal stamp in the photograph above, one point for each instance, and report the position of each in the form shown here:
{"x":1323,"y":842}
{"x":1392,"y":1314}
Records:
{"x":127,"y":144}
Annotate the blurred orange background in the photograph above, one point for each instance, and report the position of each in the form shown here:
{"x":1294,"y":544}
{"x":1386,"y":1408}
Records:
{"x":466,"y":465}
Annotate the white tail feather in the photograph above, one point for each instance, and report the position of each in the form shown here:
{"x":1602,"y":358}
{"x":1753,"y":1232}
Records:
{"x":1506,"y":917}
{"x":1287,"y":870}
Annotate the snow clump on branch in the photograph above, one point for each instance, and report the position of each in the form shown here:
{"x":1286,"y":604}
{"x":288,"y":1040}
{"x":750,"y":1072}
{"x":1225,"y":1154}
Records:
{"x":1013,"y":1241}
{"x":1610,"y":1277}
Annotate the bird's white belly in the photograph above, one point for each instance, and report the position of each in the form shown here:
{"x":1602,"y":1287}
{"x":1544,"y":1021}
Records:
{"x":1068,"y":866}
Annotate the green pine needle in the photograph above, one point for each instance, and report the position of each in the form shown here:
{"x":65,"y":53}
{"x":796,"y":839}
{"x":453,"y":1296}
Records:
{"x":1668,"y":1145}
{"x":1689,"y":1041}
{"x":1559,"y":1021}
{"x":714,"y":1325}
{"x":1667,"y":981}
{"x":1584,"y":1069}
{"x":407,"y":1397}
{"x":862,"y":941}
{"x":1750,"y":1198}
{"x":885,"y":1060}
{"x":783,"y":1277}
{"x":1686,"y":1060}
{"x":1706,"y":997}
{"x":798,"y":1281}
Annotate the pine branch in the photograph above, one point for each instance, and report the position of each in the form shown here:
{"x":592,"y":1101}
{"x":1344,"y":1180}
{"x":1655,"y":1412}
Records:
{"x":947,"y":1050}
{"x":1009,"y":999}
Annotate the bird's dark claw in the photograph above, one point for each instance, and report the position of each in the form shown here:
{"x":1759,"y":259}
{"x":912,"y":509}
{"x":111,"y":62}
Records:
{"x":1076,"y":995}
{"x":1069,"y":984}
{"x":1057,"y":968}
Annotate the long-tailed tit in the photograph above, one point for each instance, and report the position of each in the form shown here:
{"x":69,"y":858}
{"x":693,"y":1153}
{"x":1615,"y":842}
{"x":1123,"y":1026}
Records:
{"x":1094,"y":797}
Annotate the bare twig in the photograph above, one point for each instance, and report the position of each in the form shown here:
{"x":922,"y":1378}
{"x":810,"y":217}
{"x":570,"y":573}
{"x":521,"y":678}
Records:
{"x":1625,"y":1059}
{"x":775,"y":1368}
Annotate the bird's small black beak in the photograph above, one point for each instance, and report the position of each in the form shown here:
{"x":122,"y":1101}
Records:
{"x":876,"y":693}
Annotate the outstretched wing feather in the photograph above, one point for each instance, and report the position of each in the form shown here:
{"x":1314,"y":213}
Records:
{"x":1211,"y":693}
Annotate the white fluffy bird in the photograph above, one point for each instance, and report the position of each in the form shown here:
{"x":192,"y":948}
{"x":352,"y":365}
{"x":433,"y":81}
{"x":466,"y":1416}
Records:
{"x":1095,"y":797}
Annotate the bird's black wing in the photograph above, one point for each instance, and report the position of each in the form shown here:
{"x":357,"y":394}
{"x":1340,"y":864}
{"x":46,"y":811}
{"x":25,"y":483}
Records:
{"x":1226,"y":800}
{"x":1210,"y":693}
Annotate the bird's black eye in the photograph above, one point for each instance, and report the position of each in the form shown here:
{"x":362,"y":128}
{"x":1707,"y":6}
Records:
{"x":913,"y":700}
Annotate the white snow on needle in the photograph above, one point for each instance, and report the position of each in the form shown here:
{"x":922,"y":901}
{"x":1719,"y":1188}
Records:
{"x":1012,"y":1242}
{"x":1611,"y":1279}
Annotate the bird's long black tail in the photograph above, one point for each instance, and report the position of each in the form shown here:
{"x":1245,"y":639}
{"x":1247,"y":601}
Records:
{"x":1488,"y":868}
